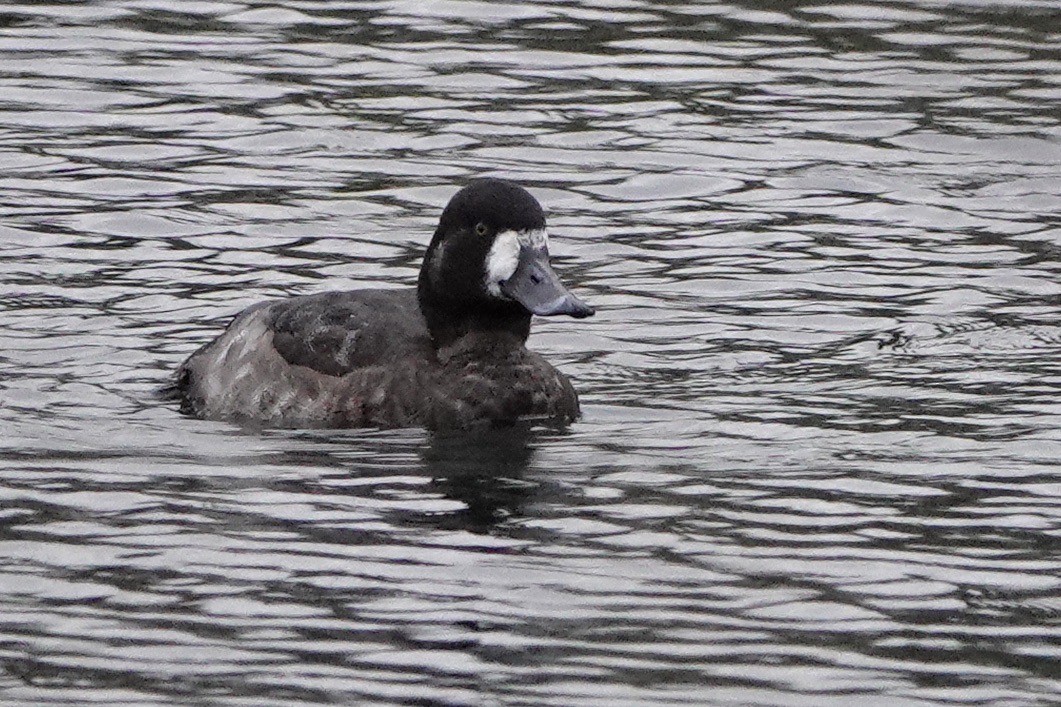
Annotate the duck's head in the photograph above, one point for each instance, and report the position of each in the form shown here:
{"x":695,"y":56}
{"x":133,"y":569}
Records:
{"x":487,"y":267}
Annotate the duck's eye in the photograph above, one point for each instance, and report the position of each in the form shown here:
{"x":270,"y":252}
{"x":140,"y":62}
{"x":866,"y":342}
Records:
{"x":481,"y":229}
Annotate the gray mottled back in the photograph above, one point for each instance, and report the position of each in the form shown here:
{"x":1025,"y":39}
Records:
{"x":337,"y":332}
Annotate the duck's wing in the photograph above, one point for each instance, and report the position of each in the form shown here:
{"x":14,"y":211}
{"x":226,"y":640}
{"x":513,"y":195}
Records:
{"x":335,"y":333}
{"x":308,"y":361}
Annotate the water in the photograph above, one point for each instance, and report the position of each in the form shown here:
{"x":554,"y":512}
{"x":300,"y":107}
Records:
{"x":819,"y":460}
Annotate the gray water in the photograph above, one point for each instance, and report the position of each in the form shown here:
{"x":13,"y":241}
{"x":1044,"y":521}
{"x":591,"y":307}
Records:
{"x":822,"y":394}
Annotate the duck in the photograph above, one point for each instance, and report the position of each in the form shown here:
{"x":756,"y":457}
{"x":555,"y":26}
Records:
{"x":448,"y":353}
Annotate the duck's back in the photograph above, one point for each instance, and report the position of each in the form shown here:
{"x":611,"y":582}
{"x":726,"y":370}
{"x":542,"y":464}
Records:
{"x":338,"y":332}
{"x":293,"y":363}
{"x":364,"y":358}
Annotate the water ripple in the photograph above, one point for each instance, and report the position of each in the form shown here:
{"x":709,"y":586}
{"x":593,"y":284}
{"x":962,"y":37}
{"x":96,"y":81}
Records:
{"x":819,"y":458}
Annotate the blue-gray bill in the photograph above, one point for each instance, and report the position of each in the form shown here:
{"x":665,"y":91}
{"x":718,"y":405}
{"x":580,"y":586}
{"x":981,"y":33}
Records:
{"x":537,"y":287}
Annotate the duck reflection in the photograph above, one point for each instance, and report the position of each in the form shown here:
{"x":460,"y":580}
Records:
{"x":484,"y":470}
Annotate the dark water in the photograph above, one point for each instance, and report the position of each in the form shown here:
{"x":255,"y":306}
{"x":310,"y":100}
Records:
{"x":822,"y":437}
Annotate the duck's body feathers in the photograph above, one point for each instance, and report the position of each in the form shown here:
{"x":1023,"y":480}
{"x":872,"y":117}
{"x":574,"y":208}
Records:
{"x":338,"y":332}
{"x":364,"y":359}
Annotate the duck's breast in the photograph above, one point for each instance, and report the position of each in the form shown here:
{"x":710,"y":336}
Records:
{"x":501,"y":381}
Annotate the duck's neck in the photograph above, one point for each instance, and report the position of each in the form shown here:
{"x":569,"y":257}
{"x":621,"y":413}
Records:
{"x":450,"y":322}
{"x":455,"y":307}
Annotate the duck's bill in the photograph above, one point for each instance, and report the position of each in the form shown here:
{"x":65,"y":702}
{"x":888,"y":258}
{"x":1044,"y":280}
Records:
{"x":536,"y":286}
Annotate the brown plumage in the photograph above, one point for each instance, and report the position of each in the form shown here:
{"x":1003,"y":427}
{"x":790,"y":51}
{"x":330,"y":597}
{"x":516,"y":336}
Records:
{"x":371,"y":358}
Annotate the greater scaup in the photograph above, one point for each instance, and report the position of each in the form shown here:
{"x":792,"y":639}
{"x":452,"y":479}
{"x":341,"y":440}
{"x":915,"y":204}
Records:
{"x":448,"y":354}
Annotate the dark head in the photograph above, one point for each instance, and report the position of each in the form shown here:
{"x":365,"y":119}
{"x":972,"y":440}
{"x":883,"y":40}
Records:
{"x":487,"y":267}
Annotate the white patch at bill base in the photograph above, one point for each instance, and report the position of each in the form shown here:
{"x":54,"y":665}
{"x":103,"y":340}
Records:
{"x":503,"y":257}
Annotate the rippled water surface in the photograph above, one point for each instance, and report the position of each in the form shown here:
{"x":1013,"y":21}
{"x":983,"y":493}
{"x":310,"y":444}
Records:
{"x":822,"y":394}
